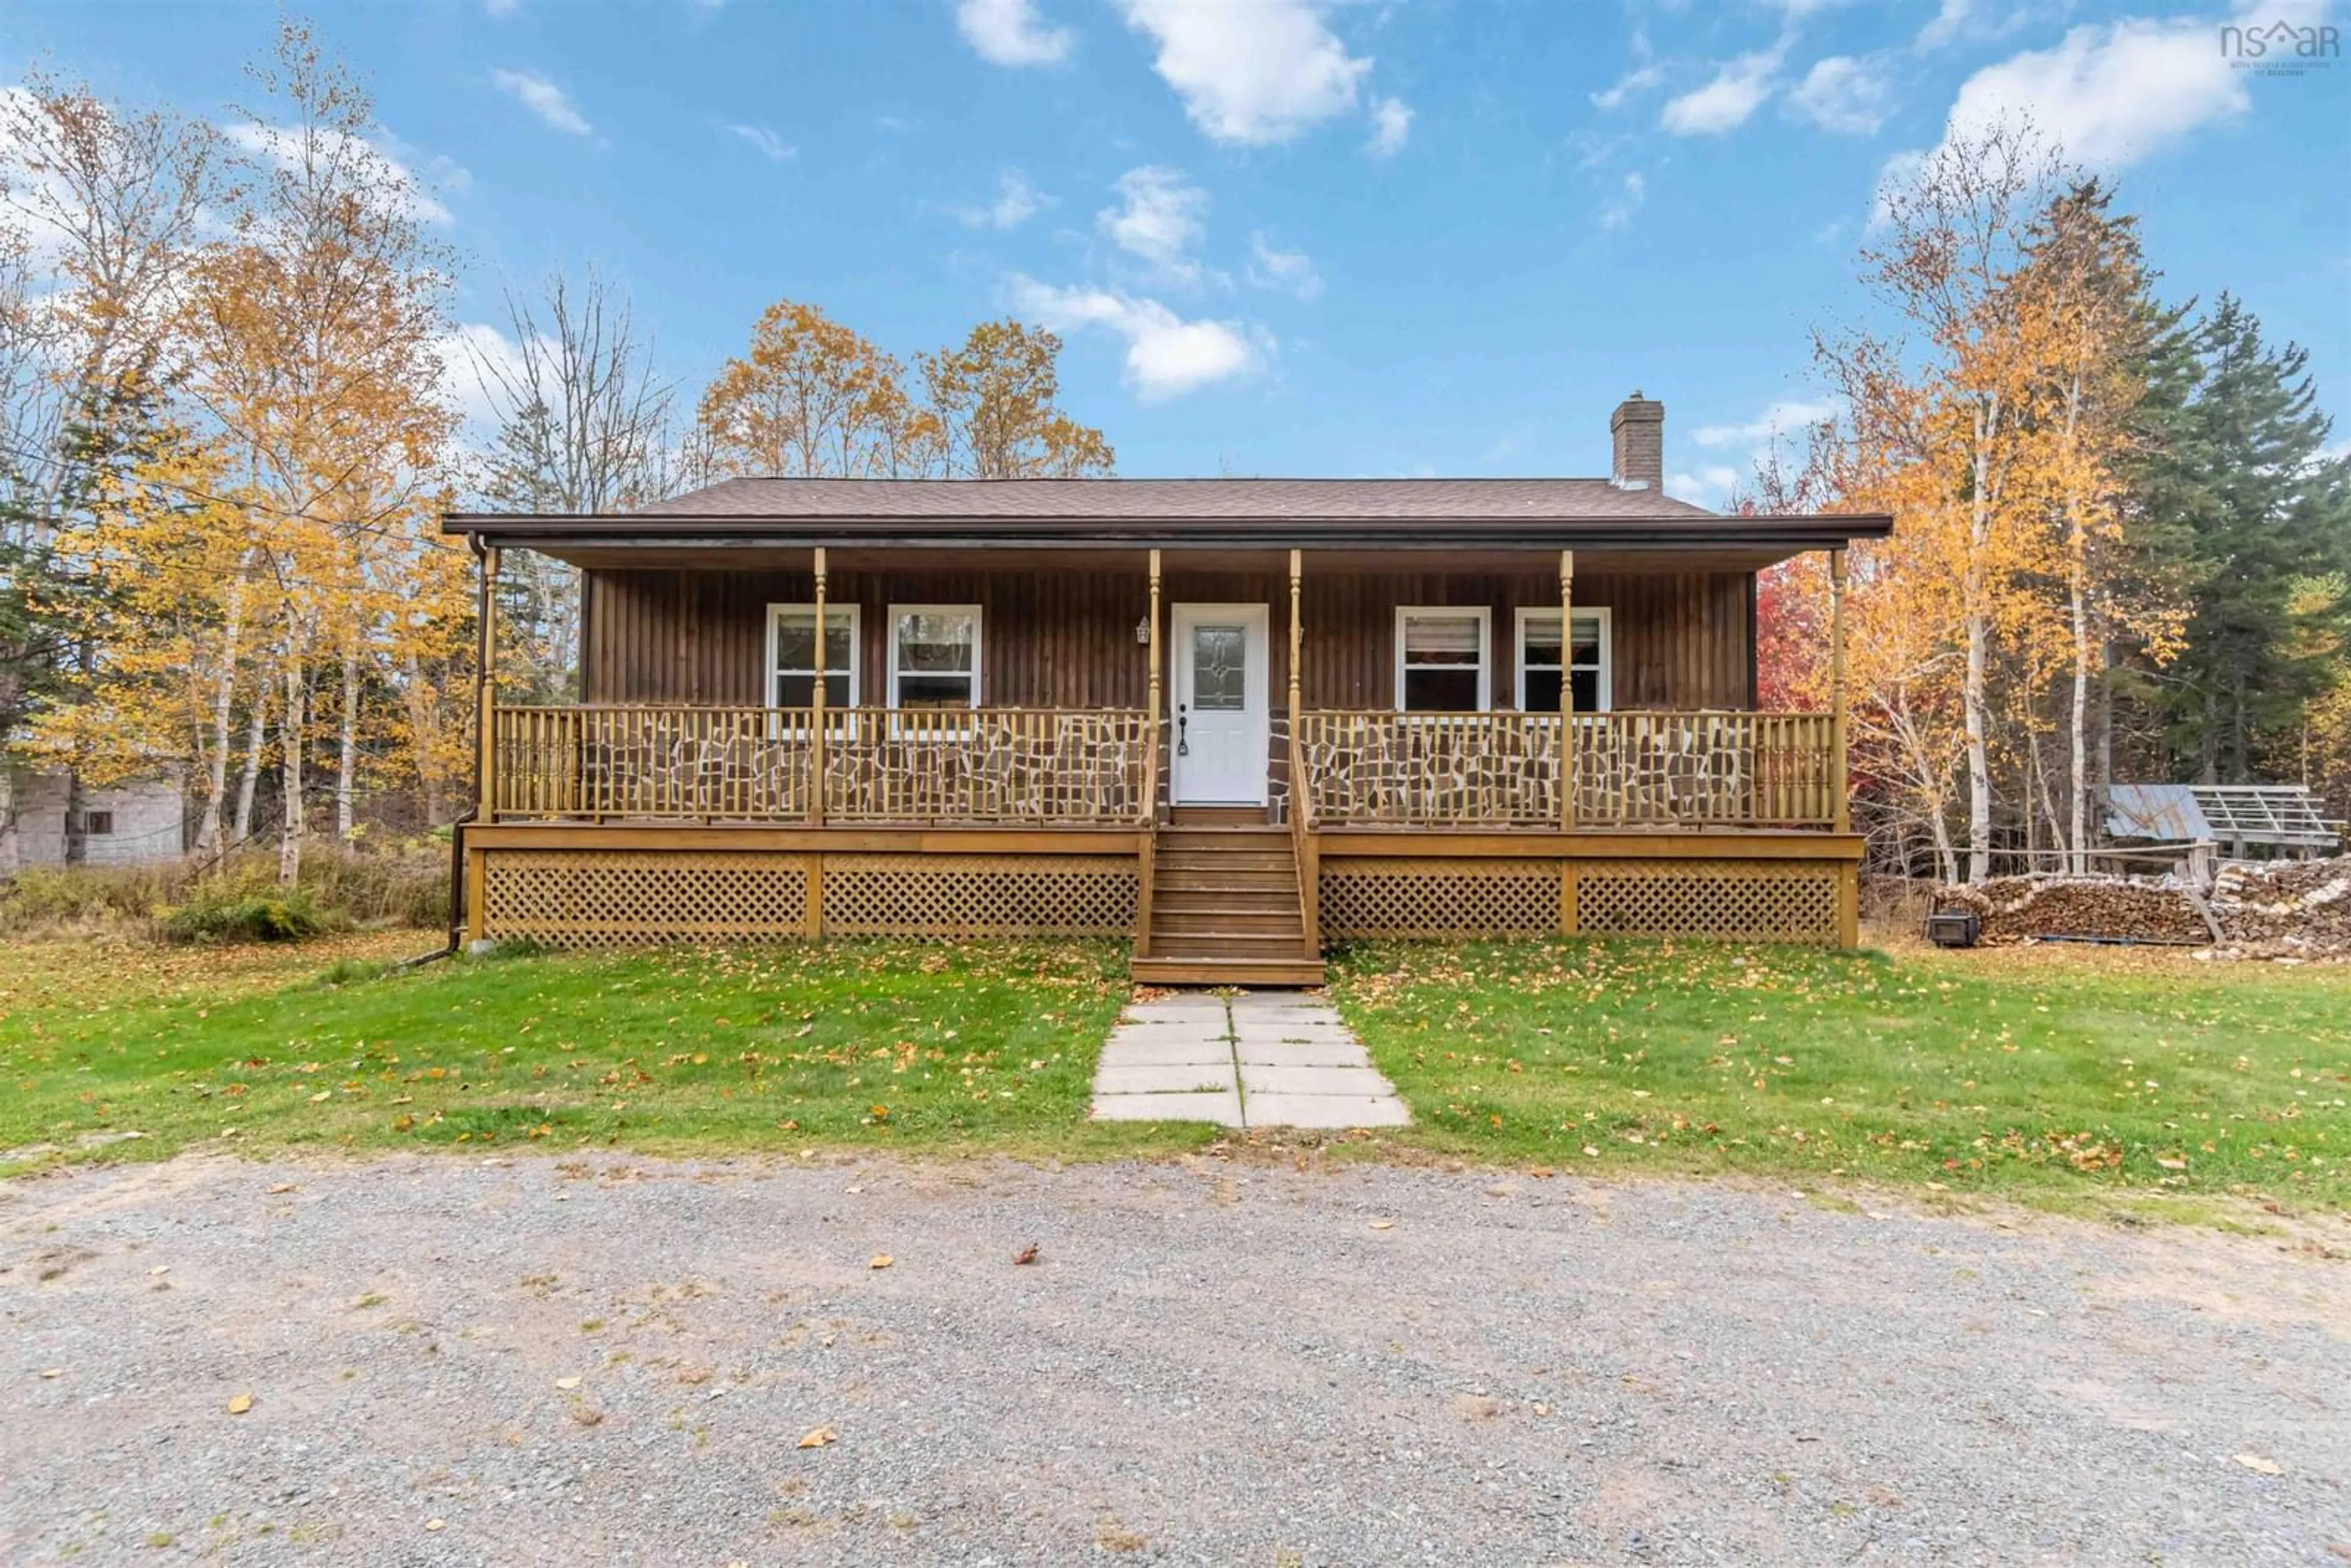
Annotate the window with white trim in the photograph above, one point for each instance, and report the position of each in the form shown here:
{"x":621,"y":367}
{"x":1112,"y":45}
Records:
{"x":792,"y":655}
{"x":1539,"y":662}
{"x":1441,"y":658}
{"x":935,"y":655}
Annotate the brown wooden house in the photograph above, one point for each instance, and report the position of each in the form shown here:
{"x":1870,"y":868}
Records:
{"x":1233,"y":719}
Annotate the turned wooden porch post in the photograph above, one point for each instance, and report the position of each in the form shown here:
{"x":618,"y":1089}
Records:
{"x":1151,"y":703}
{"x":486,"y":709}
{"x":485,"y":654}
{"x":1566,"y":689}
{"x":1841,"y":809}
{"x":1148,"y":850}
{"x":816,"y":718}
{"x":1306,"y":852}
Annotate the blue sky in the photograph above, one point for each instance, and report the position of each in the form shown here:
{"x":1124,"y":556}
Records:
{"x":1288,"y":237}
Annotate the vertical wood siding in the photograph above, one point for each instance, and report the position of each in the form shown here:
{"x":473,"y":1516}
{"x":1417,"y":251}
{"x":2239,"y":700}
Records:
{"x":1681,"y":640}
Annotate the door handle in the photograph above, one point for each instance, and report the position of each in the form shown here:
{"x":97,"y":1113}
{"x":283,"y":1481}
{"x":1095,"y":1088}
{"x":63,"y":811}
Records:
{"x":1183,"y":720}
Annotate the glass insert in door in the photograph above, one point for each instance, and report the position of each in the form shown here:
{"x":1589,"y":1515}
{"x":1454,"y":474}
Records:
{"x":1219,"y":669}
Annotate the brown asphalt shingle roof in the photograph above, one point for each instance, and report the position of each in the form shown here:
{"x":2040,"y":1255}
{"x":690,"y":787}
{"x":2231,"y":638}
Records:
{"x":1175,"y":499}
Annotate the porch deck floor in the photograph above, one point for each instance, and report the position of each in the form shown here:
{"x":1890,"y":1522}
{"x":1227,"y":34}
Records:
{"x":1265,"y":1059}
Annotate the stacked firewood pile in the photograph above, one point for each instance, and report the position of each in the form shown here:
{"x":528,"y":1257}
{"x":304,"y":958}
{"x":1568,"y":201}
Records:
{"x":2138,"y":909}
{"x":2285,"y":908}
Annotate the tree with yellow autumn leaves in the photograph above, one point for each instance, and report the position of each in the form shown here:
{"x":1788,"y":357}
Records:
{"x":2029,"y":412}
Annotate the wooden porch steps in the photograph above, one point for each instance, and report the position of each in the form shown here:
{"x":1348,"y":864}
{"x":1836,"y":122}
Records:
{"x":1224,"y":904}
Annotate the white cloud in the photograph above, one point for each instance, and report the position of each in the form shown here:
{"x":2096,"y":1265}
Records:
{"x":500,"y":8}
{"x":772,"y":147}
{"x":1166,"y":356}
{"x":1391,"y":123}
{"x":1708,"y":486}
{"x":1638,"y":81}
{"x":1778,"y":434}
{"x":1010,"y":32}
{"x":474,"y":356}
{"x":1291,"y":271}
{"x":398,"y":183}
{"x":1948,"y":19}
{"x":1016,"y":202}
{"x":1160,"y":218}
{"x":543,"y":99}
{"x":1844,"y":94}
{"x":1789,"y":417}
{"x":2113,"y":94}
{"x":1629,"y":195}
{"x":1250,"y":70}
{"x":1897,"y":175}
{"x":1737,"y":91}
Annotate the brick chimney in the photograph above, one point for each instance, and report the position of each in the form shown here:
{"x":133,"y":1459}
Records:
{"x":1638,"y":440}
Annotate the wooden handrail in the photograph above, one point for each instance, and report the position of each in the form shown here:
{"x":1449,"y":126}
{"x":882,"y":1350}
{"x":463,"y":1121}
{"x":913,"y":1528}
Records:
{"x":1630,"y":768}
{"x":692,"y":762}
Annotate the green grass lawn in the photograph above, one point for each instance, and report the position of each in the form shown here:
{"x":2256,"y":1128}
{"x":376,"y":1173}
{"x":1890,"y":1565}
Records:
{"x":2057,"y":1074}
{"x":987,"y":1045}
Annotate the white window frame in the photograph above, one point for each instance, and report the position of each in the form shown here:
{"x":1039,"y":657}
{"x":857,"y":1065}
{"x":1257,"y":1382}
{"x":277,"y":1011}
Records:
{"x":898,"y":612}
{"x":1606,"y":682}
{"x":1483,"y":614}
{"x":856,"y":647}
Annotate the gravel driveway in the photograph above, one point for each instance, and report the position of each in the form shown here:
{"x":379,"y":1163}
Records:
{"x":1209,"y":1361}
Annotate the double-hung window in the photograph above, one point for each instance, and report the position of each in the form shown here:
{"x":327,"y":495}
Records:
{"x":935,"y":655}
{"x":1542,"y":661}
{"x":1441,"y":659}
{"x":792,"y":655}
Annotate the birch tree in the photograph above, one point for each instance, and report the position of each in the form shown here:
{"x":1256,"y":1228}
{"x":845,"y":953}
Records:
{"x":584,"y":427}
{"x":1945,"y":404}
{"x":313,"y":347}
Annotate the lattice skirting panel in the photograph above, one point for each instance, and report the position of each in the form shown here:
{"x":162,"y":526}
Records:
{"x":1439,"y":898}
{"x":1760,"y":901}
{"x":602,"y":898}
{"x":979,"y":895}
{"x":1755,"y":901}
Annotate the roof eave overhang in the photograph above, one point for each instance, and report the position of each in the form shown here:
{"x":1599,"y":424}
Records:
{"x":1791,"y":533}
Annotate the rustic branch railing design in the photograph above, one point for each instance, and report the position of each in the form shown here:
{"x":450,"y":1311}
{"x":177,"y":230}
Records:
{"x":1705,"y":770}
{"x":1632,"y":769}
{"x":738,"y":764}
{"x":1435,"y":769}
{"x":988,"y":765}
{"x":719,"y":763}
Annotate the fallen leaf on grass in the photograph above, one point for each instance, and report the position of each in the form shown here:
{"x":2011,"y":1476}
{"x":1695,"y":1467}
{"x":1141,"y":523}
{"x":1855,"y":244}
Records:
{"x":240,"y":1405}
{"x":820,"y":1438}
{"x":881,"y":1261}
{"x":2254,"y":1462}
{"x":1026,"y":1255}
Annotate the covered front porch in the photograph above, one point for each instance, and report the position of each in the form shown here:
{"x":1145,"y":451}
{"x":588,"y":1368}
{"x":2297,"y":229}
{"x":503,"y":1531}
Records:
{"x":1512,"y":741}
{"x":1354,"y":690}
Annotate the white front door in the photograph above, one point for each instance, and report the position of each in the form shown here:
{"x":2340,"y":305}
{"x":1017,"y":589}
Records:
{"x":1221,"y":688}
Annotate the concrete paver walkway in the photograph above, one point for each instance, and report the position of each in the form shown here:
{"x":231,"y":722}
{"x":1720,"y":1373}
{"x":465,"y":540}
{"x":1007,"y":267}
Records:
{"x":1266,"y":1059}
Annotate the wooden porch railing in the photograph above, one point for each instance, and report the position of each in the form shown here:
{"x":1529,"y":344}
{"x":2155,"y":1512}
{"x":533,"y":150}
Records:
{"x":1433,"y":770}
{"x":736,"y":764}
{"x":1631,"y":769}
{"x":1043,"y":766}
{"x":1069,"y":766}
